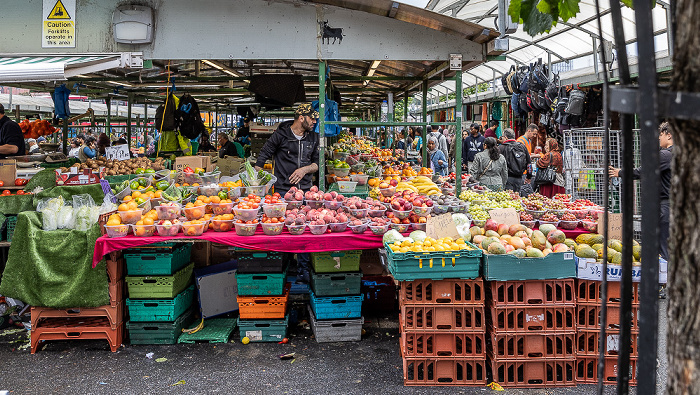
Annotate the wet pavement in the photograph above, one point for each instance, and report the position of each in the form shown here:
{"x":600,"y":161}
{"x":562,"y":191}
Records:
{"x":372,"y":365}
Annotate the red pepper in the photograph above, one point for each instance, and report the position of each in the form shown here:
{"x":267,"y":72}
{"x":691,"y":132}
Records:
{"x":188,"y":170}
{"x":20,"y":182}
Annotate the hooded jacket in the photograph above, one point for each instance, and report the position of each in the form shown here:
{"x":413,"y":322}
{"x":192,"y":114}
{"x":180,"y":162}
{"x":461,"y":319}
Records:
{"x":289,"y":154}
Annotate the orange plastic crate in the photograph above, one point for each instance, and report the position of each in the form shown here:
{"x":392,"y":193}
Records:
{"x":115,"y":270}
{"x":443,"y":344}
{"x":442,"y":292}
{"x":525,"y":319}
{"x":444,"y":318}
{"x":116,"y":293}
{"x":533,"y":345}
{"x":587,"y":343}
{"x":76,"y":329}
{"x":113,"y":315}
{"x":535,"y":373}
{"x":588,"y":316}
{"x":589,"y":291}
{"x":533,"y":292}
{"x":263,"y":307}
{"x":587,"y":370}
{"x":437,"y":372}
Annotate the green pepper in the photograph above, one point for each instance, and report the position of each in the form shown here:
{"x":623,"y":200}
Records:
{"x":134,"y":185}
{"x":143,"y":182}
{"x":162,"y":185}
{"x":223,"y":195}
{"x":139,"y":171}
{"x":149,"y":171}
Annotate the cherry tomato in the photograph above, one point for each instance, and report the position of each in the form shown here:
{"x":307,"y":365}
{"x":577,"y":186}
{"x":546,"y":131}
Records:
{"x":7,"y":192}
{"x":20,"y":192}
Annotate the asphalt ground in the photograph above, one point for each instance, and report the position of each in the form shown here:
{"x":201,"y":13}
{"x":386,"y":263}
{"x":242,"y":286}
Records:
{"x":372,"y":365}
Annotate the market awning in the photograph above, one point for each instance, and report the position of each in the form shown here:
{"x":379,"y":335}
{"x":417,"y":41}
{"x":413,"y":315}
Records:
{"x":54,"y":68}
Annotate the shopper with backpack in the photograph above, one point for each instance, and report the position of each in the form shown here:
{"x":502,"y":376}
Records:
{"x":517,"y":159}
{"x":489,"y":166}
{"x":440,"y":138}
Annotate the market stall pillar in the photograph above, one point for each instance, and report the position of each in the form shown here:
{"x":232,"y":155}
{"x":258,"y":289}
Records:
{"x":321,"y":124}
{"x":423,"y":148}
{"x":458,"y":132}
{"x":129,"y":103}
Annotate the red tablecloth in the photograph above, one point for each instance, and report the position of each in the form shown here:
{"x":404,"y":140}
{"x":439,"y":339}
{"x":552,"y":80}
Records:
{"x":284,"y":242}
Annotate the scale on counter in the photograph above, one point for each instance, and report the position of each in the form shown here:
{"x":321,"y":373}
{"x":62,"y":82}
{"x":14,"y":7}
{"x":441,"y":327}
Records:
{"x":56,"y":157}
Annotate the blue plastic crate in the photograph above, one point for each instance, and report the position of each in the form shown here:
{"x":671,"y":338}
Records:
{"x":154,"y":261}
{"x":154,"y":310}
{"x":336,"y":307}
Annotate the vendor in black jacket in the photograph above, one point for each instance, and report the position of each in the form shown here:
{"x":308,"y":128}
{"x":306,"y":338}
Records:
{"x":294,"y":148}
{"x":11,"y":138}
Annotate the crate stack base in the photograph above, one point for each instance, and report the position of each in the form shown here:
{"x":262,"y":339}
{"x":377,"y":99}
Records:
{"x":335,"y":307}
{"x":263,"y":295}
{"x":532,"y":332}
{"x":161,"y":294}
{"x":443,"y":339}
{"x":588,"y":323}
{"x":103,"y":322}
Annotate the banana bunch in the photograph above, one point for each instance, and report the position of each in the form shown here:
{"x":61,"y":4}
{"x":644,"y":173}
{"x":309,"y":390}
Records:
{"x":406,"y":186}
{"x":375,"y":193}
{"x":425,"y":186}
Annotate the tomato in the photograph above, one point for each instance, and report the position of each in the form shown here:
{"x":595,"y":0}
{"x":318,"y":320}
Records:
{"x":20,"y":192}
{"x":2,"y":183}
{"x":20,"y":181}
{"x":7,"y":192}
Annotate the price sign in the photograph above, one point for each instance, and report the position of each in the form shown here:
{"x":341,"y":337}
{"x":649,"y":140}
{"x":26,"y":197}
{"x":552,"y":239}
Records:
{"x":614,"y":226}
{"x":506,"y":216}
{"x":118,"y":152}
{"x":456,"y":61}
{"x":441,"y":226}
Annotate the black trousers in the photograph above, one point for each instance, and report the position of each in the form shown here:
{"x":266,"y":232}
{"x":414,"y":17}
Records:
{"x":664,"y":228}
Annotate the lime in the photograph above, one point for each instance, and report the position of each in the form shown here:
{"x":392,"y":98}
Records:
{"x":245,"y":340}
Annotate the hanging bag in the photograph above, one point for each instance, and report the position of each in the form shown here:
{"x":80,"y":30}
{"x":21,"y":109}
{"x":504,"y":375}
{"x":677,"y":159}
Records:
{"x":547,"y":175}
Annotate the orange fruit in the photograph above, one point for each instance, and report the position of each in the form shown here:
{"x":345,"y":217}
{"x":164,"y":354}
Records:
{"x":123,"y":207}
{"x":140,"y":222}
{"x":188,"y":205}
{"x":157,"y":194}
{"x":113,"y":222}
{"x":136,"y":194}
{"x":215,"y":199}
{"x":132,"y":205}
{"x":148,"y":221}
{"x":127,"y":199}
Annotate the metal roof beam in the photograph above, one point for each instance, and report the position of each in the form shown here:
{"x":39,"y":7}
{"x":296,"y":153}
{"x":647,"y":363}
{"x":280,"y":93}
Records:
{"x":534,"y":44}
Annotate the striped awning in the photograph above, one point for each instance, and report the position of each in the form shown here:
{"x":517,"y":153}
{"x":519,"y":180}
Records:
{"x":37,"y":68}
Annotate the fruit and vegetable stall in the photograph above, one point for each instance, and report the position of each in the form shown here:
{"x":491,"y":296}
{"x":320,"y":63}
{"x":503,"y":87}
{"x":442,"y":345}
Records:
{"x":482,"y":296}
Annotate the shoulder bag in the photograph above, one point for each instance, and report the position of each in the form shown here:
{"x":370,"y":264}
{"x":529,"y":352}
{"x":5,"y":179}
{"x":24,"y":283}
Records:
{"x":547,"y":175}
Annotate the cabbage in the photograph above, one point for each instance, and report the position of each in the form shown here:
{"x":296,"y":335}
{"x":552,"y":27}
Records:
{"x":418,"y":235}
{"x":460,"y":219}
{"x":463,"y":231}
{"x":65,"y":217}
{"x":391,"y":236}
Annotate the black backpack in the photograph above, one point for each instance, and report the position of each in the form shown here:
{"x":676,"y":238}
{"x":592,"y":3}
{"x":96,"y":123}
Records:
{"x":552,"y":91}
{"x":540,"y":81}
{"x":576,"y":101}
{"x":516,"y":158}
{"x":189,"y":118}
{"x":515,"y":105}
{"x":524,"y":78}
{"x":522,"y":101}
{"x":165,"y":117}
{"x":507,"y":80}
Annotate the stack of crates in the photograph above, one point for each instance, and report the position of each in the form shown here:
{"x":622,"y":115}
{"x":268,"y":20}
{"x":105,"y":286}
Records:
{"x":161,"y":294}
{"x":262,"y":295}
{"x":588,"y":314}
{"x":532,"y":331}
{"x":336,"y":296}
{"x":104,"y":322}
{"x":443,"y":332}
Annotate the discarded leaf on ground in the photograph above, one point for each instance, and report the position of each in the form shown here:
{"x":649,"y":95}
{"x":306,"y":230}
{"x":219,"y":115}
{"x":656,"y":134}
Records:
{"x":161,"y":359}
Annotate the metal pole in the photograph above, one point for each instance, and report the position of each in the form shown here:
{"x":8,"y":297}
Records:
{"x":458,"y":133}
{"x":108,"y":129}
{"x":65,"y":135}
{"x":390,"y":118}
{"x":651,"y":202}
{"x":129,"y":103}
{"x":425,"y":124}
{"x":321,"y":124}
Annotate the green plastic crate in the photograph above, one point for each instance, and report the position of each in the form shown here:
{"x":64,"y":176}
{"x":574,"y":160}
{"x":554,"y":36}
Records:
{"x":556,"y":265}
{"x":409,"y":266}
{"x":336,"y":261}
{"x":256,"y":261}
{"x":159,"y":287}
{"x":11,"y":223}
{"x":215,"y":330}
{"x":263,"y":330}
{"x":156,"y":261}
{"x":336,"y":284}
{"x":361,"y":191}
{"x":261,"y":284}
{"x":154,"y":310}
{"x":158,"y":332}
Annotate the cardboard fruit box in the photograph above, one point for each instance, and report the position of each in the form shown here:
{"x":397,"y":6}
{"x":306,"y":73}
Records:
{"x":589,"y":269}
{"x":75,"y":177}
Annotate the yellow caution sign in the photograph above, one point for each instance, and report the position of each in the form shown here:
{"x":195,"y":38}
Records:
{"x":58,"y":12}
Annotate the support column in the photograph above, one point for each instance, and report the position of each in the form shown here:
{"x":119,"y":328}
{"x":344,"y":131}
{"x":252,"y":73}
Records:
{"x":108,"y":129}
{"x":390,"y":118}
{"x":129,"y":103}
{"x":424,"y":149}
{"x":322,"y":125}
{"x":458,"y":132}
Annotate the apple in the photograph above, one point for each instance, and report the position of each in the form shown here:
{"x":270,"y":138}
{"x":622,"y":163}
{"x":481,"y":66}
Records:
{"x":393,"y":183}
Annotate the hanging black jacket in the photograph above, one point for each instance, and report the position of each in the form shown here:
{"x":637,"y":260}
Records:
{"x":289,"y":154}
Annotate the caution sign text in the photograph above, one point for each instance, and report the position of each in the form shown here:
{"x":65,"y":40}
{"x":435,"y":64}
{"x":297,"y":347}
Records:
{"x":58,"y":24}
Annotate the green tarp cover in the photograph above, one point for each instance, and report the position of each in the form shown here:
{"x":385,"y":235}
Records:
{"x":15,"y":204}
{"x":94,"y":190}
{"x":45,"y":179}
{"x":54,"y":268}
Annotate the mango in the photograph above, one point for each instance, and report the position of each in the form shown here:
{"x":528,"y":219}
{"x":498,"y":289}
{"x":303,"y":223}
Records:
{"x":515,"y":228}
{"x":496,"y":249}
{"x":538,"y":240}
{"x":556,"y":236}
{"x":570,"y":243}
{"x":533,"y":252}
{"x":546,"y":228}
{"x":520,"y":253}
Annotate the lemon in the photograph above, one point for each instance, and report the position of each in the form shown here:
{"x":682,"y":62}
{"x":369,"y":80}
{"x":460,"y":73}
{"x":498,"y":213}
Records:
{"x":395,"y":248}
{"x":427,"y":243}
{"x":406,"y":243}
{"x":439,"y":247}
{"x":447,"y":239}
{"x":460,"y":241}
{"x":245,"y":340}
{"x":404,"y":250}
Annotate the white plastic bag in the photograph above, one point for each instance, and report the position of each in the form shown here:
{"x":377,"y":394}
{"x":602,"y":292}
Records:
{"x":86,"y":212}
{"x":49,"y":209}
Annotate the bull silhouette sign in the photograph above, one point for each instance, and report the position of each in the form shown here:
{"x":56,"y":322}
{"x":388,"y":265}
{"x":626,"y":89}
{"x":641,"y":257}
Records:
{"x":328,"y":32}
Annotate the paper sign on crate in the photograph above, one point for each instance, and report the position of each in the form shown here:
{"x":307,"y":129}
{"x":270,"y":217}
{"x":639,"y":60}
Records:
{"x":589,"y":269}
{"x":441,"y":226}
{"x":118,"y":152}
{"x":506,"y":216}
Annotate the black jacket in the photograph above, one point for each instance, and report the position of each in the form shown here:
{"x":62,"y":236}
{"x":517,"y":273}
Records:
{"x":512,"y":150}
{"x":289,"y":154}
{"x":11,"y":133}
{"x":472,"y":146}
{"x":665,"y":156}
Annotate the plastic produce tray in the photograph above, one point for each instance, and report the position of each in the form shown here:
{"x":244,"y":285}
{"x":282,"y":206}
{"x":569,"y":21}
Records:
{"x":336,"y":307}
{"x":145,"y":262}
{"x":556,"y":265}
{"x":114,"y":315}
{"x":154,"y":310}
{"x":535,"y":373}
{"x":328,"y":331}
{"x":533,"y":292}
{"x":216,"y":330}
{"x":443,"y":344}
{"x":550,"y":345}
{"x":447,"y":372}
{"x":72,"y":328}
{"x":263,"y":307}
{"x":255,"y":261}
{"x":411,"y":266}
{"x":336,"y":284}
{"x":264,"y":330}
{"x":443,"y":292}
{"x":336,"y":261}
{"x":159,"y":287}
{"x":158,"y":332}
{"x":431,"y":318}
{"x":260,"y":284}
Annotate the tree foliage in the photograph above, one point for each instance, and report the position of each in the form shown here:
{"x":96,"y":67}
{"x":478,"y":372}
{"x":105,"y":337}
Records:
{"x":539,"y":16}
